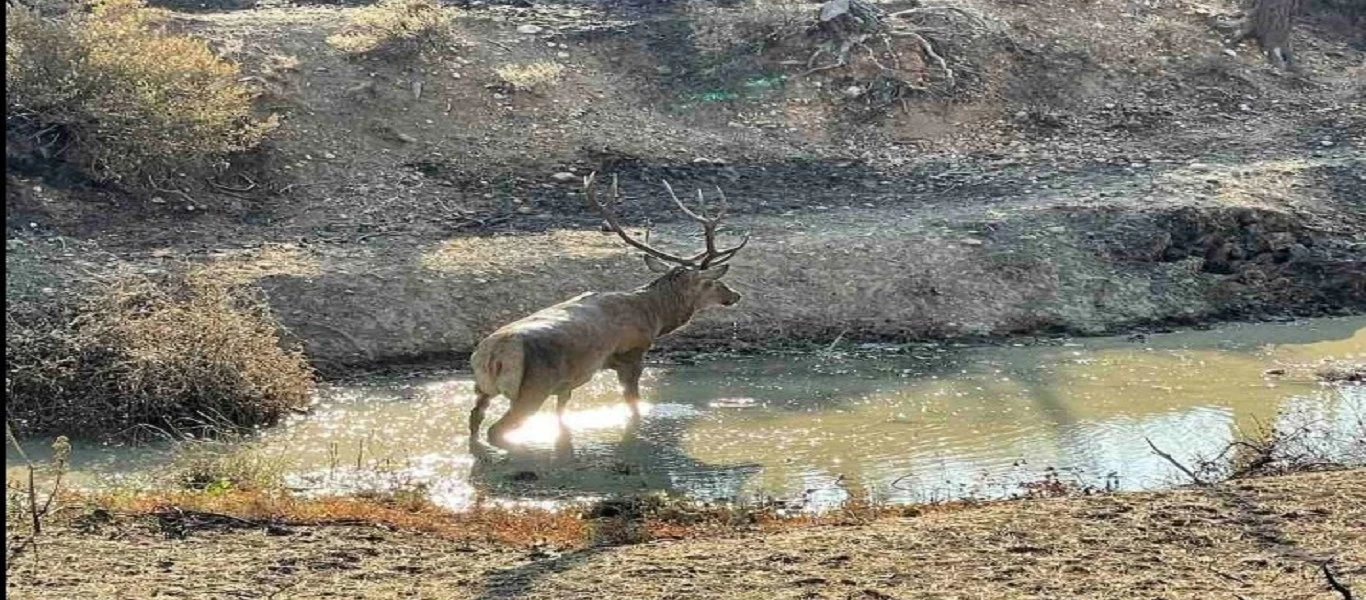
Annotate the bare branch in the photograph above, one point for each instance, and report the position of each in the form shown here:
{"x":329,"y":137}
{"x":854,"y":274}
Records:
{"x":1189,"y":473}
{"x":1333,"y":582}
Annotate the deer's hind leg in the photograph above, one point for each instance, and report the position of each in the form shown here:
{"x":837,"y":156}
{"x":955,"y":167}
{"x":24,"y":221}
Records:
{"x":481,"y":406}
{"x":527,"y":402}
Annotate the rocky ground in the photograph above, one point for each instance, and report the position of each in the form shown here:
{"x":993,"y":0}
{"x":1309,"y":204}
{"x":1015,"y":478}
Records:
{"x":1262,"y":538}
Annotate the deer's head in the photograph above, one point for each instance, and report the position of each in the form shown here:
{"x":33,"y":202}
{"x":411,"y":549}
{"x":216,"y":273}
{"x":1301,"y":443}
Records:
{"x":696,"y":279}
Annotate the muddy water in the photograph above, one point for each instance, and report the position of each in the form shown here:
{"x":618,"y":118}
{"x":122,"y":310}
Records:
{"x":919,"y":423}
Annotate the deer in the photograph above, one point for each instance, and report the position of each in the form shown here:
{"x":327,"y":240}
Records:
{"x":559,"y":348}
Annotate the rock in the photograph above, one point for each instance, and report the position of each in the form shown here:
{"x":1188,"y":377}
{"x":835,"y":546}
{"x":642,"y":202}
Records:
{"x":530,"y":29}
{"x":564,"y":177}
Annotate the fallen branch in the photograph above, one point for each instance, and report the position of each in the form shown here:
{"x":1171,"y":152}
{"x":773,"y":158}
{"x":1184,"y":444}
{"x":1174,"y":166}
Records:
{"x":1189,"y":473}
{"x":158,"y":188}
{"x":61,"y":449}
{"x":1333,"y":582}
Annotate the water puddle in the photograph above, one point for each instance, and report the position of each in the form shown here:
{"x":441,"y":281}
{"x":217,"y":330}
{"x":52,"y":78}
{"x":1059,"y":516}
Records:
{"x":929,"y":422}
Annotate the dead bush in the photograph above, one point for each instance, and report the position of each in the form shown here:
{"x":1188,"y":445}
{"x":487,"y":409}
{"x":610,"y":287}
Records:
{"x":395,"y":29}
{"x":529,"y":77}
{"x":226,"y":463}
{"x":110,"y":90}
{"x":174,"y":354}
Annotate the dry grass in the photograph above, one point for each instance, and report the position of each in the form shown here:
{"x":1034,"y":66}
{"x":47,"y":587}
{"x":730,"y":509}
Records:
{"x":175,"y":354}
{"x":1263,"y":538}
{"x":613,"y":522}
{"x":530,"y":77}
{"x":485,"y":523}
{"x":113,"y":92}
{"x":395,"y":29}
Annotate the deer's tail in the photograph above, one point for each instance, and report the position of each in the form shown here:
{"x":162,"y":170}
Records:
{"x":498,"y":365}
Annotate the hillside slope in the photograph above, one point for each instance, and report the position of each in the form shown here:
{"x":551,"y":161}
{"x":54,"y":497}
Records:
{"x":1090,"y":167}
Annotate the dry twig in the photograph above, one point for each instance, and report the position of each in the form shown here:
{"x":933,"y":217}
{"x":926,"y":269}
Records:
{"x":1184,"y":469}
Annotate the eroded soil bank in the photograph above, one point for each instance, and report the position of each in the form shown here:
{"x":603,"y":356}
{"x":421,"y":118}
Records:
{"x":1066,"y":252}
{"x":1080,"y":182}
{"x":1262,"y":538}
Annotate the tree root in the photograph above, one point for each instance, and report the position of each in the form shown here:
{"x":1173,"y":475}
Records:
{"x":852,"y":24}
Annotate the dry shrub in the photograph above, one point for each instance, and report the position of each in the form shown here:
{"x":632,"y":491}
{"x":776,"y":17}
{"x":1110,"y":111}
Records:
{"x":112,"y":91}
{"x":228,"y":461}
{"x":530,"y":76}
{"x":395,"y":29}
{"x":173,"y":354}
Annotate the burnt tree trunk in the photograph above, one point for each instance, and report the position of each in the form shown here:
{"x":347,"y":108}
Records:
{"x":1270,"y":23}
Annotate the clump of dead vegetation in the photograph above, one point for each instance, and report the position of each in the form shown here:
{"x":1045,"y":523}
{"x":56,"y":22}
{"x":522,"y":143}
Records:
{"x":396,"y":29}
{"x":612,"y":522}
{"x":1341,"y":371}
{"x":26,"y":506}
{"x":1299,"y":443}
{"x":175,"y":352}
{"x":108,"y":88}
{"x":529,"y":77}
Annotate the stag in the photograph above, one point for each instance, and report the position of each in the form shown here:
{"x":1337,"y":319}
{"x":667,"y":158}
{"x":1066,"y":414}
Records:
{"x":559,"y":348}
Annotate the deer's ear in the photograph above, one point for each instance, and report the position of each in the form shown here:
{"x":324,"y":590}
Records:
{"x":714,"y":273}
{"x":656,"y":265}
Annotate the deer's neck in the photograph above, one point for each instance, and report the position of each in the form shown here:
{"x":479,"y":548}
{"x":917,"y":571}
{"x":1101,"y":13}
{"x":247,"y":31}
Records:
{"x":668,"y":309}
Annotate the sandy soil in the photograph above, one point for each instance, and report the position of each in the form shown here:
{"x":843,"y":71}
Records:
{"x":1255,"y":539}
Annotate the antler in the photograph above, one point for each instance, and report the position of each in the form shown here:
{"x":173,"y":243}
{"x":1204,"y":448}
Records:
{"x":706,"y":258}
{"x":710,"y":256}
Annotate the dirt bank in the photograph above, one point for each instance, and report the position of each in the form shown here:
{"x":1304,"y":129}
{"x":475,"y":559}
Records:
{"x":1260,"y":538}
{"x":1079,"y":252}
{"x":1073,"y":182}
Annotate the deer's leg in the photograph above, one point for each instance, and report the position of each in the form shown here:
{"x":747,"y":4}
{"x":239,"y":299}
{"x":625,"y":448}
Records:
{"x":524,"y":405}
{"x":629,"y":376}
{"x":481,"y":404}
{"x":562,"y":402}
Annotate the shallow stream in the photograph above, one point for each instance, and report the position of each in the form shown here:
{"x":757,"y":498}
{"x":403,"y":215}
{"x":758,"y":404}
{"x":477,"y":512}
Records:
{"x":912,"y":423}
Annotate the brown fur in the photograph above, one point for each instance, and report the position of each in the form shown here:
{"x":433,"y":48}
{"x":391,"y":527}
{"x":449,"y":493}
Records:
{"x":559,"y":348}
{"x":1270,"y":24}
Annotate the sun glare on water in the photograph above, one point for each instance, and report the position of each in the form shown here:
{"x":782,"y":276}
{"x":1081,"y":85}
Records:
{"x":544,"y":427}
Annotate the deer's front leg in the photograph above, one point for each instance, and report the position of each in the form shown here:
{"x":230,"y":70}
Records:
{"x":629,"y":376}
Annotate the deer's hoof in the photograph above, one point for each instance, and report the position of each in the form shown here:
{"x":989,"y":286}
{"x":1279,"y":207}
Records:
{"x":481,"y":450}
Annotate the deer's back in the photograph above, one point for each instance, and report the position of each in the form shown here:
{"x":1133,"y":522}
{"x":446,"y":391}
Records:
{"x":562,"y":346}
